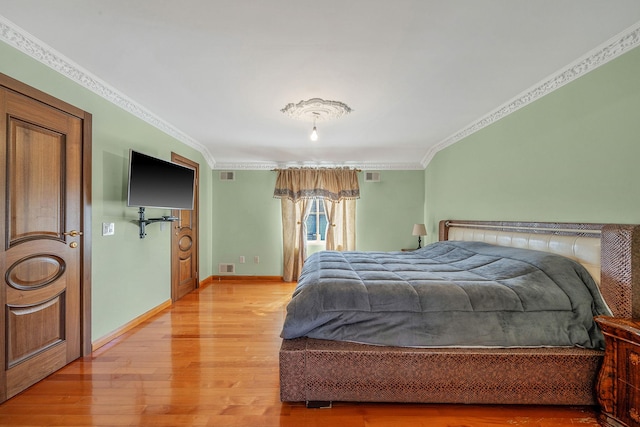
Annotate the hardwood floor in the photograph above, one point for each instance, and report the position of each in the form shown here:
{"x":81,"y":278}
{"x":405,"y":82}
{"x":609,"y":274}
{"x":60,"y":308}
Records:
{"x":212,"y":360}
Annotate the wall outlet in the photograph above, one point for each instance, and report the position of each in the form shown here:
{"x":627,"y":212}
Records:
{"x":241,"y":259}
{"x":108,"y":229}
{"x":256,"y":259}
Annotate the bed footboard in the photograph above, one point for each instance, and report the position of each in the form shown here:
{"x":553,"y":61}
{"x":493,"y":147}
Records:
{"x":317,"y":370}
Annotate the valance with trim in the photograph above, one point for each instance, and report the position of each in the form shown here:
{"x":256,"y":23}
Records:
{"x":334,"y":184}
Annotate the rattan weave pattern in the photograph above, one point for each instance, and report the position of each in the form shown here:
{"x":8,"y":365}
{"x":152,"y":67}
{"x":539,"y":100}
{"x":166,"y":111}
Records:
{"x":620,"y":269}
{"x":334,"y":371}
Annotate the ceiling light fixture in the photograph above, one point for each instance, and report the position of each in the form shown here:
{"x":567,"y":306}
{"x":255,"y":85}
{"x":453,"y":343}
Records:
{"x":316,"y":109}
{"x":314,"y":132}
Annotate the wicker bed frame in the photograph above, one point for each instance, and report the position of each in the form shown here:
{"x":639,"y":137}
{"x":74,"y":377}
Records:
{"x":315,"y":371}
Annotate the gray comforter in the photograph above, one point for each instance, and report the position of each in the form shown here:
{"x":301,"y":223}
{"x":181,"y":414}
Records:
{"x":446,"y":294}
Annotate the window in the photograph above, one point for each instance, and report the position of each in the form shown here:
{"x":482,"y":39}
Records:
{"x":317,"y":221}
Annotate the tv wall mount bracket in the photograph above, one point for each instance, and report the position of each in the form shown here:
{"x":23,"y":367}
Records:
{"x":142,"y":222}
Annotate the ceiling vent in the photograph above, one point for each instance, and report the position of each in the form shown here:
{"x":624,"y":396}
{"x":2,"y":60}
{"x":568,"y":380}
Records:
{"x":226,"y":268}
{"x":372,"y":177}
{"x":227,"y":176}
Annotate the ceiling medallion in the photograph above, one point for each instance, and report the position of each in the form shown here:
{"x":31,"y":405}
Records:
{"x":316,"y":110}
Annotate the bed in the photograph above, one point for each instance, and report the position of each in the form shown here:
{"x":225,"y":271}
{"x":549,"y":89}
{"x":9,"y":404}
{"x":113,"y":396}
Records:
{"x":333,"y":365}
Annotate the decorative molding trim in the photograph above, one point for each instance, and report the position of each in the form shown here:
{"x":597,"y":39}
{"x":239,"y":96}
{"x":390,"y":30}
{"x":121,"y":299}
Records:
{"x":316,"y":109}
{"x":40,"y":51}
{"x":206,"y":282}
{"x":211,"y":280}
{"x":245,"y":165}
{"x":100,"y":342}
{"x":614,"y":47}
{"x":274,"y":165}
{"x":35,"y":48}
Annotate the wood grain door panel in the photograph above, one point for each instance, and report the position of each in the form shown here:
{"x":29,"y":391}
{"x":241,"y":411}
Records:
{"x":185,"y":253}
{"x":184,"y":242}
{"x":41,"y":257}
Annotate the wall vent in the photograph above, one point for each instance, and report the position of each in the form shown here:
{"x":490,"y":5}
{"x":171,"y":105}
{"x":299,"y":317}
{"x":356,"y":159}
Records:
{"x":227,"y":176}
{"x":372,"y":176}
{"x":226,"y":268}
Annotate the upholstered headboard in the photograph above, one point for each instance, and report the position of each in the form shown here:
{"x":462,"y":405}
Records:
{"x":610,"y":252}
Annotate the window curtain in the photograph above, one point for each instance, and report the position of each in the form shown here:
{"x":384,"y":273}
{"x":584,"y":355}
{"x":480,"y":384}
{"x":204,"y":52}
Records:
{"x":341,"y":228}
{"x":296,"y":187}
{"x":329,"y":184}
{"x":294,"y":232}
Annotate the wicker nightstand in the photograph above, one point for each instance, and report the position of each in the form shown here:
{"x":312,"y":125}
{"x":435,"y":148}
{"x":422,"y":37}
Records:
{"x":619,"y":379}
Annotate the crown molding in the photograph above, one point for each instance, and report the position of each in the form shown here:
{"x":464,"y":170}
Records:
{"x":611,"y":49}
{"x":275,"y":165}
{"x":35,"y":48}
{"x":30,"y":45}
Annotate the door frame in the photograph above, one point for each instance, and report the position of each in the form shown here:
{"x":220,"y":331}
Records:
{"x":175,"y":279}
{"x":14,"y":85}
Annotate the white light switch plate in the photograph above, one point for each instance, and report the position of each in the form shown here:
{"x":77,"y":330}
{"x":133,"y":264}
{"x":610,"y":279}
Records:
{"x":108,"y":229}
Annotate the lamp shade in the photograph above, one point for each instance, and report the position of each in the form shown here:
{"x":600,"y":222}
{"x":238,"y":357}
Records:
{"x":419,"y":230}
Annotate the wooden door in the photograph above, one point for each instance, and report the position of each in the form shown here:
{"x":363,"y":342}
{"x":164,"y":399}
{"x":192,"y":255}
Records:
{"x":184,"y":242}
{"x":41,"y":252}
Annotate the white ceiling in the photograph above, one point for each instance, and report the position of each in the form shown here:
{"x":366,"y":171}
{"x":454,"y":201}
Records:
{"x":419,"y":74}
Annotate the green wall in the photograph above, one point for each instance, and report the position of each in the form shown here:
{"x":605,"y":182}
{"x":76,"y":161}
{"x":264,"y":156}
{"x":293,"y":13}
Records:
{"x":247,"y":220}
{"x":387,"y":210}
{"x":129,"y":275}
{"x":572,"y":155}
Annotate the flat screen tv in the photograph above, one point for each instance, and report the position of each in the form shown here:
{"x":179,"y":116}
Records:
{"x":157,"y":183}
